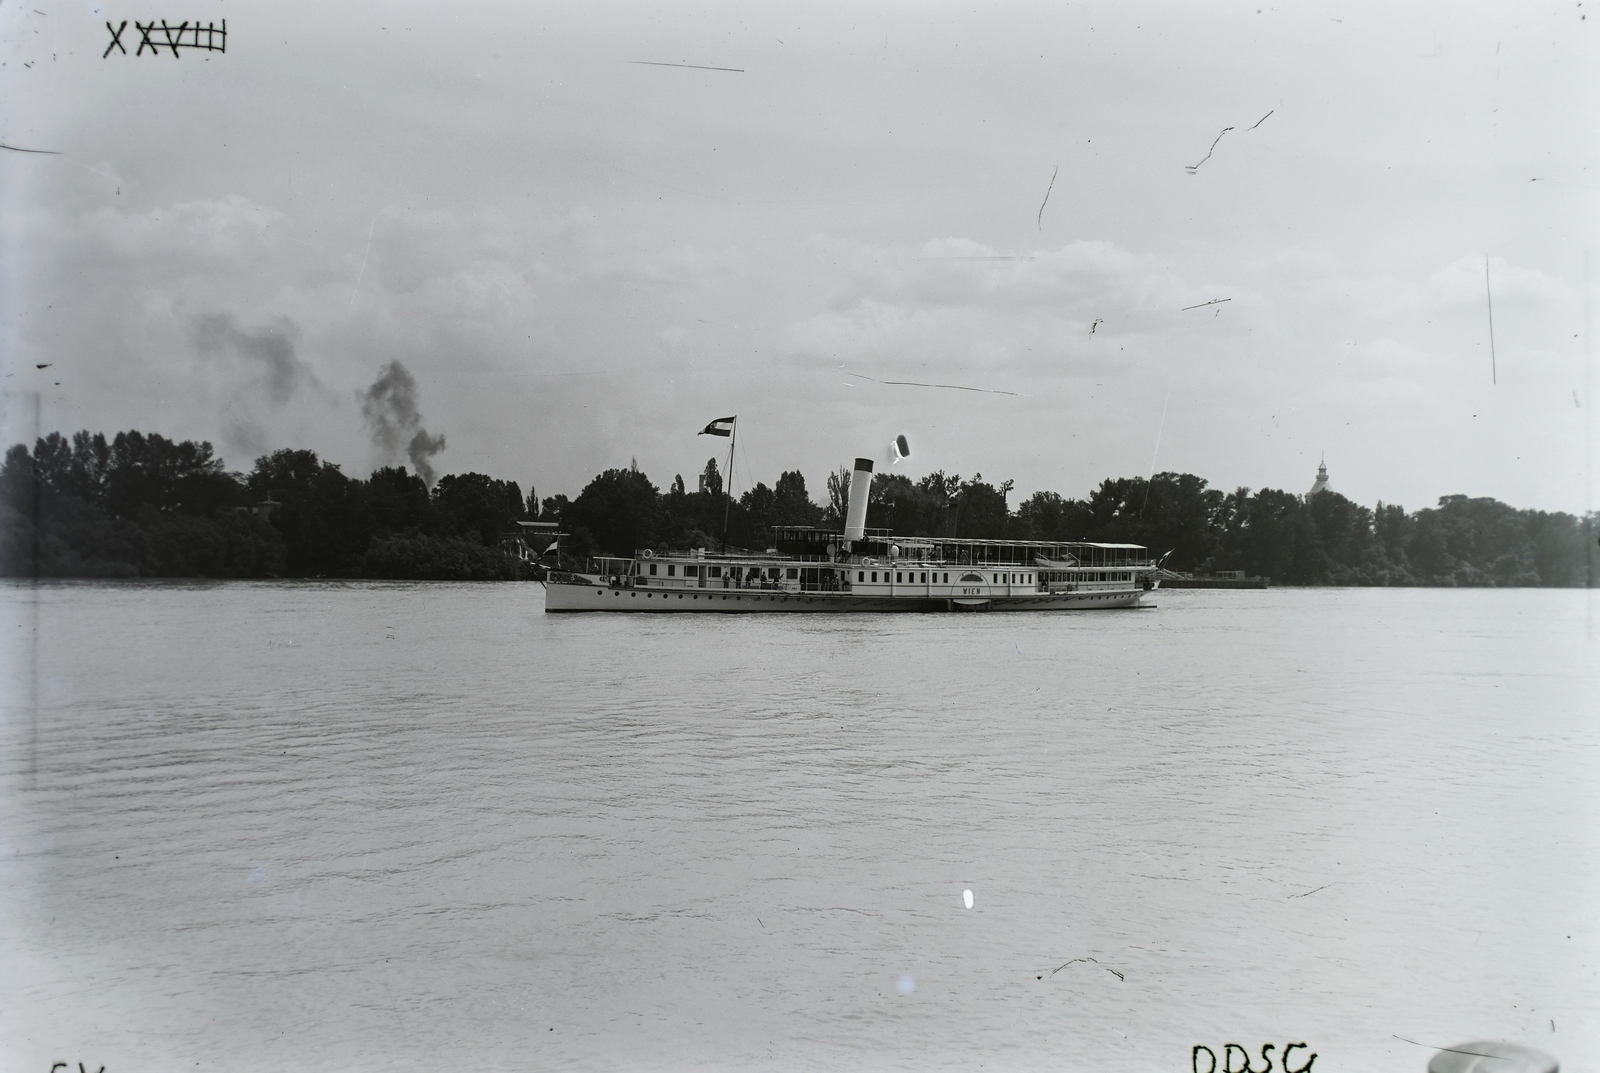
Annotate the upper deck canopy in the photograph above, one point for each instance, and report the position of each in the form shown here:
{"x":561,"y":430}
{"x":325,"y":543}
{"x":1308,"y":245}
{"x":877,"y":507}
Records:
{"x":808,"y":542}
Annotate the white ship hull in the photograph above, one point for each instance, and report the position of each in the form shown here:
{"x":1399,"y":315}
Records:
{"x":603,"y":597}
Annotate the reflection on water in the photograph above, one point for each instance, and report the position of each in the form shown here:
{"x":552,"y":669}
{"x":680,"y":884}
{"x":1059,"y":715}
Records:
{"x":425,"y":826}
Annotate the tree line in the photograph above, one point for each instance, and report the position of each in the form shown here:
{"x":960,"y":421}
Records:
{"x":140,"y":505}
{"x":1325,"y":539}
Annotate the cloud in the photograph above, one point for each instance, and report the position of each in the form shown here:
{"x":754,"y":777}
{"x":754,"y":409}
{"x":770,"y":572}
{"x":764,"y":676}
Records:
{"x":960,"y":306}
{"x":1462,"y":281}
{"x":229,"y":228}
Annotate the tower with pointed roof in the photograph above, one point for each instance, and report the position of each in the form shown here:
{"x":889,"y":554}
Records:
{"x":1321,"y":484}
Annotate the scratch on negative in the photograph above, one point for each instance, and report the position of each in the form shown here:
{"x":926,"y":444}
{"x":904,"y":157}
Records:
{"x":1452,"y":1050}
{"x":914,"y":383}
{"x":1192,"y":168}
{"x":1260,"y":121}
{"x":1308,"y":893}
{"x":1074,"y":961}
{"x":691,"y":66}
{"x":1046,"y":201}
{"x":364,"y":257}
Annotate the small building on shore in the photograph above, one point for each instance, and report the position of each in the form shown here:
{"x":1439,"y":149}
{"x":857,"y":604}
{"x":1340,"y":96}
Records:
{"x":534,"y":540}
{"x":1217,"y":579}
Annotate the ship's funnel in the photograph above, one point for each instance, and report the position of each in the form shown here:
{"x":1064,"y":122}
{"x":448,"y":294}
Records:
{"x":855,"y":518}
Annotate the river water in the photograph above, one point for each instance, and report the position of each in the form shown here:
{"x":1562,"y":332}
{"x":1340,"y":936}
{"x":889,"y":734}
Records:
{"x":353,"y":826}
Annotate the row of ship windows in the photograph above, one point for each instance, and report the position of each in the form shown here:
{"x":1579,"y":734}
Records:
{"x":903,"y":577}
{"x":792,"y":573}
{"x":998,"y":579}
{"x":771,"y":573}
{"x":900,"y":576}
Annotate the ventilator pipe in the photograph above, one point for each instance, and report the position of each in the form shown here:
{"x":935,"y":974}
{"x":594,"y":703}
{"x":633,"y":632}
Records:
{"x":855,"y":518}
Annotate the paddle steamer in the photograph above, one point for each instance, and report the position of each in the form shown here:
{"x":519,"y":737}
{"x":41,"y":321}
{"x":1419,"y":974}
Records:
{"x":864,"y":569}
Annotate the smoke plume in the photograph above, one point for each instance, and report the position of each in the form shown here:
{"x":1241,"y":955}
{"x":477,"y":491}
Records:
{"x":271,"y":346}
{"x":390,"y":409}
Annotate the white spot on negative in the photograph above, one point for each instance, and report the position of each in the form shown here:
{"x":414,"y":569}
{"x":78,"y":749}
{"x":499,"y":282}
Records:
{"x":966,"y":896}
{"x":906,"y":985}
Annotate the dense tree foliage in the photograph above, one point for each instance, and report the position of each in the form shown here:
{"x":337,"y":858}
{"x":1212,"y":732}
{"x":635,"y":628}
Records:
{"x":618,"y":512}
{"x":144,"y":506}
{"x":476,"y":507}
{"x":1325,"y":539}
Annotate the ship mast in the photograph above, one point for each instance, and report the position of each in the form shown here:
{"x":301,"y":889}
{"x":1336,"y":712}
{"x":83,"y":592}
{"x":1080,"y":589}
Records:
{"x":728,"y":488}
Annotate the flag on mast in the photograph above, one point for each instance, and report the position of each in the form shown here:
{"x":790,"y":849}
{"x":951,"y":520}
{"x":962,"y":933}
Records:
{"x":722,"y":426}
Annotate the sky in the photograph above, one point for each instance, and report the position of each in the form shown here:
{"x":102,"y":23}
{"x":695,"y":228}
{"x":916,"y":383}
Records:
{"x":585,"y":231}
